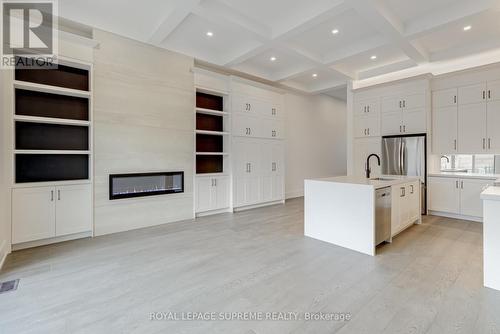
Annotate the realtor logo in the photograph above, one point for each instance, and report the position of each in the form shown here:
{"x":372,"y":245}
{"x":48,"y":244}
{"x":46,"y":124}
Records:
{"x":29,"y":29}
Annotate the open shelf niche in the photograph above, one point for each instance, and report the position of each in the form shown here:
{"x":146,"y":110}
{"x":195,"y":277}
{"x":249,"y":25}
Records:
{"x":211,"y":133}
{"x":52,"y":124}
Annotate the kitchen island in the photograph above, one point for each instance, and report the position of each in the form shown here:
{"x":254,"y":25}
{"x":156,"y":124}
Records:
{"x":343,"y":210}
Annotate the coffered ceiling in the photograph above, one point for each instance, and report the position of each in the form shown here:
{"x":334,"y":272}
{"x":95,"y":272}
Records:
{"x":315,"y":46}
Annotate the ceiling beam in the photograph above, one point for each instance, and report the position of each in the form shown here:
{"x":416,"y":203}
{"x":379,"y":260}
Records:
{"x":381,"y":18}
{"x":363,"y":46}
{"x":176,"y":16}
{"x":394,"y":67}
{"x":439,"y":18}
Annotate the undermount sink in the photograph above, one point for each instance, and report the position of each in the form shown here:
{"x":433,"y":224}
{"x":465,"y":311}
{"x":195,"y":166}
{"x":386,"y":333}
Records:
{"x":382,"y":179}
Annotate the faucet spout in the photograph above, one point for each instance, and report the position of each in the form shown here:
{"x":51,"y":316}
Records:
{"x":368,"y":170}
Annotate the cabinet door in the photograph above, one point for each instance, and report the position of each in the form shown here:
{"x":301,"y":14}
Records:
{"x":275,"y":110}
{"x":73,"y":209}
{"x":373,"y":107}
{"x":243,"y":104}
{"x":414,"y":121}
{"x":362,"y":149}
{"x":472,"y":128}
{"x":33,"y":214}
{"x":366,"y":127}
{"x":444,"y":130}
{"x":472,"y":94}
{"x":204,"y":190}
{"x":367,"y":107}
{"x":278,"y":191}
{"x":221,"y":193}
{"x":390,"y":123}
{"x":414,"y":199}
{"x":444,"y":98}
{"x":399,"y":211}
{"x":273,"y":129}
{"x":494,"y":90}
{"x":245,"y":125}
{"x":492,"y":126}
{"x":240,"y":160}
{"x":414,"y":101}
{"x":444,"y":194}
{"x":391,"y":104}
{"x":470,"y":197}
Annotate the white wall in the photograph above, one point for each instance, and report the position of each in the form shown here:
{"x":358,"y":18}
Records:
{"x":315,"y":139}
{"x":143,"y":122}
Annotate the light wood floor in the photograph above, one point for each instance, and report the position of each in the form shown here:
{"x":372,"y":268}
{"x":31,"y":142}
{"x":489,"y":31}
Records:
{"x":428,"y":281}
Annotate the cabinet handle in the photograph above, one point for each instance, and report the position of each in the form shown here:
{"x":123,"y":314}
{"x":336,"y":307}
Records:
{"x":215,"y":182}
{"x":489,"y":143}
{"x":456,"y":184}
{"x":455,"y":99}
{"x":401,"y":129}
{"x":404,"y":128}
{"x":58,"y":195}
{"x":462,"y":184}
{"x":364,"y":109}
{"x":412,"y":190}
{"x":250,"y":167}
{"x":404,"y":103}
{"x":52,"y":195}
{"x":403,"y":192}
{"x":368,"y":131}
{"x":489,"y":94}
{"x":368,"y":109}
{"x":365,"y":132}
{"x":455,"y":144}
{"x":400,"y":104}
{"x":484,"y":143}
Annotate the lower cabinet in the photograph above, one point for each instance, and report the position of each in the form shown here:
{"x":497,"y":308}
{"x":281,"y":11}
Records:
{"x":258,"y":171}
{"x":47,"y":212}
{"x":405,"y":206}
{"x":457,"y":196}
{"x":212,"y":193}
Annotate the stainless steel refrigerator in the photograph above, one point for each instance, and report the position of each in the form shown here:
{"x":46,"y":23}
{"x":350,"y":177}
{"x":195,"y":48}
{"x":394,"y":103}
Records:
{"x":406,"y":155}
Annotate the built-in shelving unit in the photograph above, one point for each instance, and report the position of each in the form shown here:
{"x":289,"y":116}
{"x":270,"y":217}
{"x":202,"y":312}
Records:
{"x":211,"y":133}
{"x":52,"y":124}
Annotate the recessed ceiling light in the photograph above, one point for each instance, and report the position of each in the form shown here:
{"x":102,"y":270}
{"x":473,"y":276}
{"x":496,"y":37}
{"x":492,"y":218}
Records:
{"x":335,"y":31}
{"x":210,"y":34}
{"x":373,"y":57}
{"x":467,"y":28}
{"x":315,"y":75}
{"x":272,"y":59}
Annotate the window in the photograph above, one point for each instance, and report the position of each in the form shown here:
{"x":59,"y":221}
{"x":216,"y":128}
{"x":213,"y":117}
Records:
{"x":480,"y":163}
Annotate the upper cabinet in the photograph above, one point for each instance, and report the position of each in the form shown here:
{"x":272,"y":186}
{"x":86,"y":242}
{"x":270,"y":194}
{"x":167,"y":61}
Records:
{"x":464,"y":119}
{"x":368,"y":107}
{"x":404,"y":114}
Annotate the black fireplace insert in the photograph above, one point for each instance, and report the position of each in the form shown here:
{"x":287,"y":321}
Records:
{"x":145,"y":184}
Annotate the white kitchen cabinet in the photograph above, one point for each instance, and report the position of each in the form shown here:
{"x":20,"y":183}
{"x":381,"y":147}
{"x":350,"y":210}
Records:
{"x":457,"y":196}
{"x":245,"y":125}
{"x":472,"y":136}
{"x":244,"y":104}
{"x":445,"y":98}
{"x":470,"y":193}
{"x":444,"y":194}
{"x":271,"y":109}
{"x":493,"y":116}
{"x":493,"y":90}
{"x":73,"y":209}
{"x":414,"y":121}
{"x":33,"y":214}
{"x":368,"y":107}
{"x":272,"y":129}
{"x":47,"y":212}
{"x":366,"y":127}
{"x":445,"y":130}
{"x":413,"y":101}
{"x":212,"y":193}
{"x":472,"y":94}
{"x":403,"y":114}
{"x":363,"y":147}
{"x":390,"y":123}
{"x":405,"y":206}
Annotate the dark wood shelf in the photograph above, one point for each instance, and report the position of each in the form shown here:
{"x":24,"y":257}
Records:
{"x":38,"y":104}
{"x":41,"y":136}
{"x":51,"y":167}
{"x":209,"y":101}
{"x":62,"y":76}
{"x":206,"y":164}
{"x":209,"y":122}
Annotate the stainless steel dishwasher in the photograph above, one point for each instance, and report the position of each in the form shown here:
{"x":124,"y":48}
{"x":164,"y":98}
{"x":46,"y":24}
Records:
{"x":383,"y":215}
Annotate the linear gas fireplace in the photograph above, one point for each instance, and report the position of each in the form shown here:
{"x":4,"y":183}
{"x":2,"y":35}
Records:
{"x":145,"y":184}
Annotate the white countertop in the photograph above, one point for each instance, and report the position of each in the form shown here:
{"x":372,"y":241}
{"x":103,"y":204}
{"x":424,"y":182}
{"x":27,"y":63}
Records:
{"x":466,"y":175}
{"x":491,"y":193}
{"x":376,"y":184}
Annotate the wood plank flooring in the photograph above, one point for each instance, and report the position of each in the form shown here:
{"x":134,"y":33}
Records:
{"x":429,"y":280}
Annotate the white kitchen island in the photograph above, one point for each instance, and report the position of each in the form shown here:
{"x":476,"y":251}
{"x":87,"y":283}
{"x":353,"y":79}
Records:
{"x":341,"y":210}
{"x":491,"y":237}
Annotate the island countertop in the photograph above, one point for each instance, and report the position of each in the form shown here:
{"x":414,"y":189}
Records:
{"x":375,"y":182}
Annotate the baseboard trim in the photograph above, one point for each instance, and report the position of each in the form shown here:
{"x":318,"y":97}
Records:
{"x":4,"y":251}
{"x":43,"y":242}
{"x":294,"y":194}
{"x":260,"y":205}
{"x":213,"y":212}
{"x":455,"y":216}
